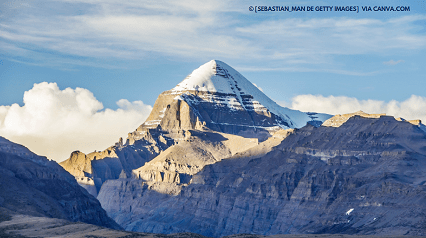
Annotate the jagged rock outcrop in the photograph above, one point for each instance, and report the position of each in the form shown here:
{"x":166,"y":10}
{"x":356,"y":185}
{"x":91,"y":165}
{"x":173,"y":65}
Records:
{"x":365,"y":177}
{"x":213,"y":98}
{"x":33,"y":185}
{"x":93,"y":169}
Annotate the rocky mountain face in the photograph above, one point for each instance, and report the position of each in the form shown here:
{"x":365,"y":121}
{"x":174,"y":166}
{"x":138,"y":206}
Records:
{"x":218,"y":97}
{"x":366,"y":176}
{"x":213,"y":99}
{"x":33,"y":185}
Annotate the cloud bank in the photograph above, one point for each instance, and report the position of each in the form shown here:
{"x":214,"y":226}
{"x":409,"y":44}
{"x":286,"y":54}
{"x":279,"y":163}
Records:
{"x":411,"y":108}
{"x":55,"y":122}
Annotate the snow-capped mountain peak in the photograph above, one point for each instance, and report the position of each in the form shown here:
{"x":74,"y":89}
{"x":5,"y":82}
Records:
{"x":217,"y":77}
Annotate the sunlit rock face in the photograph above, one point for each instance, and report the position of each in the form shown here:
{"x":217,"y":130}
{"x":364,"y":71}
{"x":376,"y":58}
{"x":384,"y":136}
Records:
{"x":366,"y":176}
{"x":214,"y":98}
{"x":33,"y":185}
{"x":338,"y":120}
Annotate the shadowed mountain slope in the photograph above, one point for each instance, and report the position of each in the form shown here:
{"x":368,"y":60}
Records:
{"x":33,"y":185}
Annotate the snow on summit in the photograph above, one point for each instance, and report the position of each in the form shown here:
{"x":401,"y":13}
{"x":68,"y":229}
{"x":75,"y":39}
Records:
{"x":217,"y":77}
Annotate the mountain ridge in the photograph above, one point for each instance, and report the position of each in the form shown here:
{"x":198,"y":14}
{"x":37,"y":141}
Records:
{"x":365,"y":177}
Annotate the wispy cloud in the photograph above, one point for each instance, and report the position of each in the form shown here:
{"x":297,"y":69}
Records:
{"x":90,"y":30}
{"x":328,"y":36}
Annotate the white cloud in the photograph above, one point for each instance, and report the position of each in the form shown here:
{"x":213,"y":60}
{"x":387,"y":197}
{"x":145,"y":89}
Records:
{"x":54,"y":122}
{"x":409,"y":109}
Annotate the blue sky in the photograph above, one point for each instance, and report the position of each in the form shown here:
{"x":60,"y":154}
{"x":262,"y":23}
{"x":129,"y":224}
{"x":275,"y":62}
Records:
{"x":332,"y":62}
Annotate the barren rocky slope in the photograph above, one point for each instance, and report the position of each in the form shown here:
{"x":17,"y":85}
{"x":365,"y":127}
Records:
{"x":365,"y":177}
{"x":33,"y":185}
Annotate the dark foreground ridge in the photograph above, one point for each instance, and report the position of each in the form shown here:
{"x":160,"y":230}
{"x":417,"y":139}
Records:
{"x":32,"y":185}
